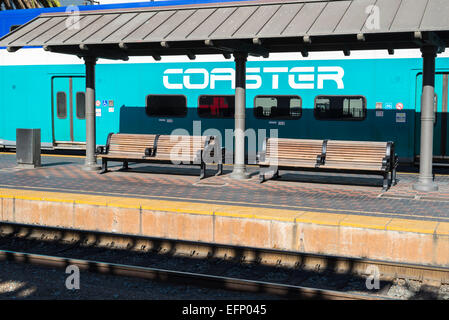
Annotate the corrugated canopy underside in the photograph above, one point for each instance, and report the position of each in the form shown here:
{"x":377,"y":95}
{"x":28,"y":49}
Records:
{"x":256,"y":27}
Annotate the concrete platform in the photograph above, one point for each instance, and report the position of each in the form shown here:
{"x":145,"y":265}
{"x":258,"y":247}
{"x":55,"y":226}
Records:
{"x":299,"y":212}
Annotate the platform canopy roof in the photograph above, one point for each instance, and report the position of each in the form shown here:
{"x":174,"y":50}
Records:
{"x":254,"y":27}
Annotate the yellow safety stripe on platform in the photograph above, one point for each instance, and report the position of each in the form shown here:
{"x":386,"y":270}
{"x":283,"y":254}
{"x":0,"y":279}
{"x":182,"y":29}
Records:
{"x":443,"y":228}
{"x":365,"y":221}
{"x":412,"y":225}
{"x":298,"y":216}
{"x":210,"y":202}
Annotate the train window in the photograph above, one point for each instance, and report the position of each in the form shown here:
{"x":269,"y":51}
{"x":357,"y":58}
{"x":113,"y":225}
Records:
{"x":166,"y":105}
{"x":340,"y":108}
{"x":277,"y":107}
{"x":61,"y":105}
{"x":80,"y":105}
{"x":216,"y":106}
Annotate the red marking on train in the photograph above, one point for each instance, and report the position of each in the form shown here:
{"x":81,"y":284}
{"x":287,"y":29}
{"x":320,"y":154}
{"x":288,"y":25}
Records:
{"x":218,"y":103}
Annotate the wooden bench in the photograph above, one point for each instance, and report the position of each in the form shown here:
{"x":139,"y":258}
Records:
{"x":290,"y":153}
{"x":330,"y":155}
{"x":152,"y":148}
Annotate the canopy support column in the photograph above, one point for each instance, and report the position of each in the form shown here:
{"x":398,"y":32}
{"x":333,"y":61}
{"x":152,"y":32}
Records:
{"x":239,"y":171}
{"x":425,"y":182}
{"x":90,"y":163}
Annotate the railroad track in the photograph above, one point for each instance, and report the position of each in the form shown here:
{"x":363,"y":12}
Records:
{"x":350,"y":267}
{"x":179,"y":277}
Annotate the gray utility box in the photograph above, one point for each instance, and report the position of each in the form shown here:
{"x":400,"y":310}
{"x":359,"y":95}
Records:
{"x":28,"y":148}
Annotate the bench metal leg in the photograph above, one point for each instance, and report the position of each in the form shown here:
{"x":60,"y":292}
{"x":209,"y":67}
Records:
{"x":219,"y":169}
{"x":104,"y":166}
{"x":203,"y":171}
{"x":385,"y":184}
{"x":261,"y":175}
{"x":125,"y":166}
{"x":276,"y":175}
{"x":393,"y":177}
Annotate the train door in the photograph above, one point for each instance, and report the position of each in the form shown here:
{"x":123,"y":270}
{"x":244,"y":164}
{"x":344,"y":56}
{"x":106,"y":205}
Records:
{"x":69,"y":112}
{"x":440,"y":138}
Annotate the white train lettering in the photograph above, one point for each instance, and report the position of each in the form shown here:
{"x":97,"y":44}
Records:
{"x":298,"y":77}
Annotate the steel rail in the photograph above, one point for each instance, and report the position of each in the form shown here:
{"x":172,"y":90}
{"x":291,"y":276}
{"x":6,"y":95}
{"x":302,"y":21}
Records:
{"x":180,"y":277}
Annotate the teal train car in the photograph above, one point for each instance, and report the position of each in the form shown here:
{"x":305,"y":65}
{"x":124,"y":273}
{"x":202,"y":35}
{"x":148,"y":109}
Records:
{"x":369,"y":96}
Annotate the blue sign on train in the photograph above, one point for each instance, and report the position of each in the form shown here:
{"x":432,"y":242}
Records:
{"x":389,"y":105}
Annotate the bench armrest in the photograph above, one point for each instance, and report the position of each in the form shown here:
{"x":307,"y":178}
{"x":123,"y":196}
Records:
{"x":210,"y":148}
{"x":320,"y":160}
{"x":104,"y":149}
{"x":386,"y":163}
{"x":390,"y":161}
{"x":150,"y":152}
{"x":101,"y":150}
